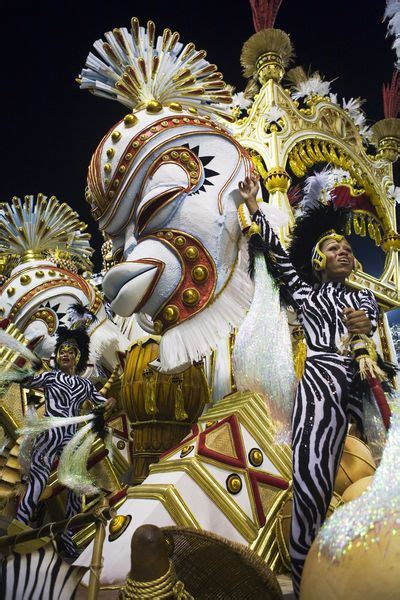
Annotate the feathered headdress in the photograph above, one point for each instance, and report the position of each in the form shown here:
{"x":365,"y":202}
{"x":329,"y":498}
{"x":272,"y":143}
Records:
{"x":141,"y":71}
{"x":35,"y":226}
{"x":80,"y":316}
{"x":309,"y":228}
{"x":77,"y":337}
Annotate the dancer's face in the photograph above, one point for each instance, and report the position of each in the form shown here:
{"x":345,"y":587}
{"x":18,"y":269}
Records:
{"x":339,"y":260}
{"x":67,"y":359}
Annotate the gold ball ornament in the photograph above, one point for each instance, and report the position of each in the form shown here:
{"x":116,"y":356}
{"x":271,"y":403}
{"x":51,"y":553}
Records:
{"x":233,"y":484}
{"x":356,"y":463}
{"x":170,"y":313}
{"x":190,"y":297}
{"x":191,"y":253}
{"x":153,"y":107}
{"x":363,"y":573}
{"x":357,"y":488}
{"x":200,"y":274}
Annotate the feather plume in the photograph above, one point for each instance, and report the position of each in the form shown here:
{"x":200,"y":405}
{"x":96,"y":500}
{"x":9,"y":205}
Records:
{"x":11,"y":343}
{"x":78,"y":314}
{"x":137,"y":67}
{"x":40,"y":224}
{"x":266,"y":40}
{"x":313,"y":85}
{"x":392,"y":13}
{"x":264,"y":13}
{"x":72,"y":468}
{"x":391,"y":97}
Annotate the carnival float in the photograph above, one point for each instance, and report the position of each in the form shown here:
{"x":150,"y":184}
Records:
{"x":191,"y":493}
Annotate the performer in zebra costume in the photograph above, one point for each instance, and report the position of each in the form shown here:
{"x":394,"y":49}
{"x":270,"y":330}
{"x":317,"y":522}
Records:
{"x":313,"y":275}
{"x":65,"y":392}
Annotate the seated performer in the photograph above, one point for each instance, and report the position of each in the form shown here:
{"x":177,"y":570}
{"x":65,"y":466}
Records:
{"x":314,"y":274}
{"x":65,"y":392}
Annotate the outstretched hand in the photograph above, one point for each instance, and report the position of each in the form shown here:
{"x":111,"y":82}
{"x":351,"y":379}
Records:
{"x":248,"y":190}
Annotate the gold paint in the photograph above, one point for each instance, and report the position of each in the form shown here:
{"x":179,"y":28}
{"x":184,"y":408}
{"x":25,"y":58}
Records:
{"x":122,"y":169}
{"x":135,"y":144}
{"x":190,"y":297}
{"x":169,"y":235}
{"x":165,"y":157}
{"x":175,"y":106}
{"x":168,"y":495}
{"x":191,"y":253}
{"x":180,"y":241}
{"x":171,"y":313}
{"x":233,"y":484}
{"x":158,"y":326}
{"x":176,"y":121}
{"x":154,"y":129}
{"x":10,"y":291}
{"x":195,"y":468}
{"x":39,"y":274}
{"x":120,"y":445}
{"x":186,"y":450}
{"x":130,"y":120}
{"x":174,"y":154}
{"x":52,"y":272}
{"x":143,"y":137}
{"x":128,"y":156}
{"x":110,"y":153}
{"x":192,"y":165}
{"x":115,"y":136}
{"x":185,"y":156}
{"x":25,"y":279}
{"x":164,"y":123}
{"x":107,"y":168}
{"x":200,"y":274}
{"x":192,"y":110}
{"x":118,"y":525}
{"x":277,"y":180}
{"x":256,"y":457}
{"x":153,"y":107}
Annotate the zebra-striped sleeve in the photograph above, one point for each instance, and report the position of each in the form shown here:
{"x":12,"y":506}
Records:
{"x":95,"y":396}
{"x":298,"y":288}
{"x":369,"y":305}
{"x":40,"y":381}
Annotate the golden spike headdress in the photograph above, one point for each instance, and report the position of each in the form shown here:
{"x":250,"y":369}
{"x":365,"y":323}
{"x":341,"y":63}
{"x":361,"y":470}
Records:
{"x":268,"y":47}
{"x":33,"y":227}
{"x":141,"y":70}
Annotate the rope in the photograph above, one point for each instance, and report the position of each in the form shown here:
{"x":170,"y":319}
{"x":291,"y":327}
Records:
{"x":163,"y":587}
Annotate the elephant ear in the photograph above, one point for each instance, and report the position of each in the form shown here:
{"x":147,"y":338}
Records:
{"x":141,"y":71}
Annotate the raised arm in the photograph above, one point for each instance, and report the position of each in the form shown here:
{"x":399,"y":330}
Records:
{"x":298,"y":289}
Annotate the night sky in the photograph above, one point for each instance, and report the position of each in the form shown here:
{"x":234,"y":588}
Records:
{"x":50,"y":128}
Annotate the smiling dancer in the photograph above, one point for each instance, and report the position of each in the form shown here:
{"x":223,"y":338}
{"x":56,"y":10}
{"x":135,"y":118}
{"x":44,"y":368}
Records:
{"x":314,"y":274}
{"x":65,"y":392}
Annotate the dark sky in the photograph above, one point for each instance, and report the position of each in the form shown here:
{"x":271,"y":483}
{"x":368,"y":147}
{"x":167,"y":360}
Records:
{"x":50,"y":128}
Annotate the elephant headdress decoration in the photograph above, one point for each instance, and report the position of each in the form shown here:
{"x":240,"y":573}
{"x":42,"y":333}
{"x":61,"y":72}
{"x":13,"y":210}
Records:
{"x":163,"y":185}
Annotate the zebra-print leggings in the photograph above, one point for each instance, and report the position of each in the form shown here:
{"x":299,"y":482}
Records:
{"x":319,"y":424}
{"x":47,"y":448}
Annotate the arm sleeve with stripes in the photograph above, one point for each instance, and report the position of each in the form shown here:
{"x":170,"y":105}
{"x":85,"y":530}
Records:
{"x":297,"y":288}
{"x":369,"y":305}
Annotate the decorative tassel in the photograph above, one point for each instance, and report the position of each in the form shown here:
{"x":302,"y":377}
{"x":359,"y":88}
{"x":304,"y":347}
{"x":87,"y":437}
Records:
{"x":364,"y":352}
{"x":180,"y":413}
{"x":262,"y":357}
{"x":72,"y":468}
{"x":12,"y":375}
{"x":300,"y":352}
{"x":150,"y":380}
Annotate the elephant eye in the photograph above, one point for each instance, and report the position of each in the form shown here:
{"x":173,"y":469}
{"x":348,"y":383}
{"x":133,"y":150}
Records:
{"x":154,"y":205}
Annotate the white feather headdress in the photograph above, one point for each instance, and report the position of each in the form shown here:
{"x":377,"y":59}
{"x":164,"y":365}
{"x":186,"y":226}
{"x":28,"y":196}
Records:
{"x":136,"y":68}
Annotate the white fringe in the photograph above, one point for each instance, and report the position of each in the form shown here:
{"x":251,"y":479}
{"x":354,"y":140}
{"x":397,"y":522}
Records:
{"x":196,"y":337}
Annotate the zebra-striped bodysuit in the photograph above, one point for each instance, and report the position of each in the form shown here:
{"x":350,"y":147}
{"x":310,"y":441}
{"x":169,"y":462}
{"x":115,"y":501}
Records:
{"x":64,"y":396}
{"x":324,"y":398}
